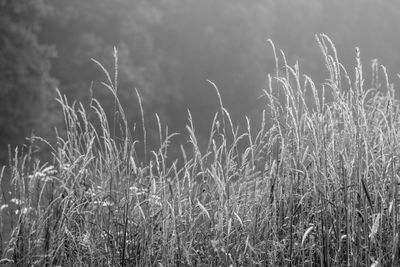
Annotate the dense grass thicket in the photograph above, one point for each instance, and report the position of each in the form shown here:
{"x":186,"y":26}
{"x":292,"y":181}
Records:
{"x":316,"y":184}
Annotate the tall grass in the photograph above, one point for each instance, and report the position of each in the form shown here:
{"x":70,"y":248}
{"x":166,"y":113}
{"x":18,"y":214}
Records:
{"x":316,"y":187}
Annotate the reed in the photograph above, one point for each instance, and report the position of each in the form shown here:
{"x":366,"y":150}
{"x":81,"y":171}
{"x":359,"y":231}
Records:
{"x":315,"y":185}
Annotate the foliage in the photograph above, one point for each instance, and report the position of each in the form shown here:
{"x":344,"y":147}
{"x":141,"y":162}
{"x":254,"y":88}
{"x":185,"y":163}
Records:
{"x":168,"y":49}
{"x":318,"y":187}
{"x":24,"y":72}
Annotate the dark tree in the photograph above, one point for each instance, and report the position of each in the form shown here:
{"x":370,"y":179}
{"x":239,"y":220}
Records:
{"x":25,"y":84}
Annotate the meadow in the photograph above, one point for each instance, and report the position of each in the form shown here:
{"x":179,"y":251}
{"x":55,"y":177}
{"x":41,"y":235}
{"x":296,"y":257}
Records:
{"x":316,"y":184}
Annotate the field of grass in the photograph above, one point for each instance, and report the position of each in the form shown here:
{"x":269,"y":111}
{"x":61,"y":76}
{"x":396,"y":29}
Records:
{"x":316,"y":184}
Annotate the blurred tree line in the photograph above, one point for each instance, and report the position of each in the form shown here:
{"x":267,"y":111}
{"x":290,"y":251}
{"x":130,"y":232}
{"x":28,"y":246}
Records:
{"x":167,"y":50}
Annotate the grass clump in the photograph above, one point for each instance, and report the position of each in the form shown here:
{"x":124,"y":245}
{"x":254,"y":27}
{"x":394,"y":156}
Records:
{"x":318,"y":186}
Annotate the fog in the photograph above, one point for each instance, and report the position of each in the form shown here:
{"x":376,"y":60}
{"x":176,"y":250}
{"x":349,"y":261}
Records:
{"x":167,"y":50}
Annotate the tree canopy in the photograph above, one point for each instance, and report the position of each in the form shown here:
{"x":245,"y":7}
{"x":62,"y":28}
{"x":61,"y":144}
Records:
{"x":169,"y":49}
{"x":25,"y":83}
